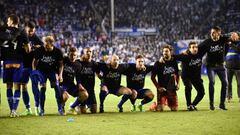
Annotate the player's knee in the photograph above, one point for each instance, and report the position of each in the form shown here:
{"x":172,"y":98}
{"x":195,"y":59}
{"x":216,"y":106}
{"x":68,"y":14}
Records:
{"x":17,"y":86}
{"x":150,"y":95}
{"x":24,"y":87}
{"x":9,"y":85}
{"x":134,"y":94}
{"x":84,"y":95}
{"x":127,"y":91}
{"x":65,"y":96}
{"x":104,"y":88}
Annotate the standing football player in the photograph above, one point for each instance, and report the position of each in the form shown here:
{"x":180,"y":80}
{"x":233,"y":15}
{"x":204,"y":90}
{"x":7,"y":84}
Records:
{"x":216,"y":47}
{"x":35,"y":42}
{"x":48,"y":64}
{"x":233,"y":65}
{"x":12,"y":56}
{"x":191,"y":74}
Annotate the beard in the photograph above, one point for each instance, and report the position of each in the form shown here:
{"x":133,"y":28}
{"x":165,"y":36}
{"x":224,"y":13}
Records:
{"x":166,"y":57}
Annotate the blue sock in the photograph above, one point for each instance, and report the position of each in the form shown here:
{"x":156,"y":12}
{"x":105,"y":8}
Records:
{"x":42,"y":98}
{"x":16,"y":98}
{"x":124,"y":99}
{"x":76,"y":103}
{"x":146,"y":100}
{"x":10,"y":98}
{"x":26,"y":98}
{"x":58,"y":97}
{"x":35,"y":90}
{"x":102,"y":96}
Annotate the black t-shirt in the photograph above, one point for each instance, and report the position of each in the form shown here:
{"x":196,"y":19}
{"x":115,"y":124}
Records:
{"x":191,"y":64}
{"x":87,"y":75}
{"x":136,"y":78}
{"x":112,"y":77}
{"x":216,"y":50}
{"x":71,"y":72}
{"x":48,"y":61}
{"x":13,"y":49}
{"x":164,"y":72}
{"x":28,"y":57}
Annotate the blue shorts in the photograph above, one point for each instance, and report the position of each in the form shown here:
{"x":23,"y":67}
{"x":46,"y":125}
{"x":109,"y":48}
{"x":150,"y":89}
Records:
{"x":141,"y":93}
{"x":51,"y":76}
{"x":115,"y":91}
{"x":26,"y":75}
{"x":71,"y":89}
{"x":12,"y":71}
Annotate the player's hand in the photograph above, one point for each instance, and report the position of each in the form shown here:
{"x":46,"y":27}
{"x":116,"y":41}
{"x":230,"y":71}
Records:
{"x":161,"y":60}
{"x":184,"y":52}
{"x":177,"y":87}
{"x":104,"y":88}
{"x":161,"y":89}
{"x":234,"y":36}
{"x":82,"y":88}
{"x":60,"y":79}
{"x":37,"y":46}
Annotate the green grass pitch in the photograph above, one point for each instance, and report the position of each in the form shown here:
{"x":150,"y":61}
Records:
{"x":202,"y":122}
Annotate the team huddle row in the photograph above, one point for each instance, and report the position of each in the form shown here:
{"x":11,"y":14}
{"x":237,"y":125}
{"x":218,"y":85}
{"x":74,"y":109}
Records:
{"x":27,"y":56}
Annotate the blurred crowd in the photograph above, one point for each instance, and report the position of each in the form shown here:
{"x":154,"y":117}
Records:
{"x":80,"y":22}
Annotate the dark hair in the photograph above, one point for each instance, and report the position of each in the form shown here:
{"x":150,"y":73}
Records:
{"x":72,"y":49}
{"x":30,"y":24}
{"x":191,"y":43}
{"x":217,"y":28}
{"x":139,"y":56}
{"x":14,"y":18}
{"x":168,"y":47}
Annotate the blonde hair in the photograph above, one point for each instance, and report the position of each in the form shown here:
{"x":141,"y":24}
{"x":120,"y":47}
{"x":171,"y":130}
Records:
{"x":49,"y":39}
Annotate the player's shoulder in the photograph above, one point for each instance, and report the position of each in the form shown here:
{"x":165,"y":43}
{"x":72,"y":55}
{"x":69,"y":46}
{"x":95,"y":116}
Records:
{"x":77,"y":64}
{"x":65,"y":59}
{"x":131,"y":64}
{"x":58,"y":50}
{"x":36,"y":38}
{"x":21,"y":32}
